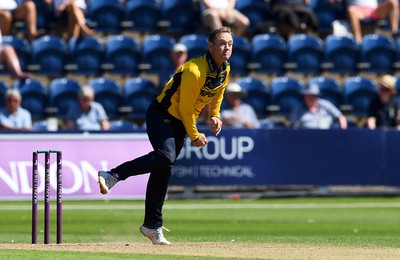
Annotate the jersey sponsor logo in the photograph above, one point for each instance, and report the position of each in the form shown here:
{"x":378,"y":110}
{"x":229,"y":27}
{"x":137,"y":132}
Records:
{"x":205,"y":93}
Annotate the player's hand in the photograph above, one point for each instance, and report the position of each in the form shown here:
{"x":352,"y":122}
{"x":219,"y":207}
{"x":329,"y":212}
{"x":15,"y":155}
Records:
{"x":201,"y":141}
{"x":215,"y":125}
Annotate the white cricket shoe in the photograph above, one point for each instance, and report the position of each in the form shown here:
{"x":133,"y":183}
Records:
{"x":106,"y":181}
{"x":155,"y":235}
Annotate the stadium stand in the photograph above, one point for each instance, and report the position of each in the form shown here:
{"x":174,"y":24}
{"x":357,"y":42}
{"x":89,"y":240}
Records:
{"x":21,"y":47}
{"x":285,"y":94}
{"x":63,"y":92}
{"x":156,"y":51}
{"x":256,"y":10}
{"x":342,"y":55}
{"x":122,"y":126}
{"x":34,"y":97}
{"x":144,"y":15}
{"x":108,"y":93}
{"x":3,"y":89}
{"x":122,"y":55}
{"x":196,"y":44}
{"x":256,"y":94}
{"x":378,"y":53}
{"x":327,"y":12}
{"x":179,"y":16}
{"x":85,"y":56}
{"x":105,"y":16}
{"x":241,"y":56}
{"x":268,"y":54}
{"x":357,"y":94}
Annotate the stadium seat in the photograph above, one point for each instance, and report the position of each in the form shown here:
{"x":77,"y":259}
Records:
{"x":327,"y":12}
{"x":21,"y":47}
{"x":268,"y":53}
{"x":255,"y":10}
{"x":63,"y":93}
{"x":241,"y":56}
{"x":305,"y":53}
{"x":3,"y":89}
{"x":40,"y":126}
{"x":48,"y":56}
{"x":196,"y":44}
{"x":138,"y":94}
{"x":285,"y":94}
{"x":156,"y":52}
{"x":85,"y":55}
{"x":378,"y":53}
{"x":144,"y":14}
{"x":122,"y":126}
{"x":179,"y":16}
{"x":122,"y":55}
{"x":256,"y":94}
{"x":108,"y":94}
{"x":398,"y":86}
{"x":34,"y":97}
{"x":342,"y":53}
{"x":105,"y":16}
{"x":329,"y":88}
{"x":358,"y":93}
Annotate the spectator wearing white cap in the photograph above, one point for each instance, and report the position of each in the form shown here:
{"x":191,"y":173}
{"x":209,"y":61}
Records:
{"x":238,"y":114}
{"x":384,"y":109}
{"x":13,"y":116}
{"x":179,"y":56}
{"x":315,"y":112}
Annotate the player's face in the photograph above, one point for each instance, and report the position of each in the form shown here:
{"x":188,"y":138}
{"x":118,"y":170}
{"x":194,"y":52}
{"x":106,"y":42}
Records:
{"x":221,"y":48}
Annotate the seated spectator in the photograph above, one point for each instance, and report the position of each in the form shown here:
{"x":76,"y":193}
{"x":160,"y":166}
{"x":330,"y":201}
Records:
{"x":316,"y":113}
{"x":10,"y":58}
{"x":358,"y":10}
{"x":13,"y":116}
{"x":88,"y":115}
{"x":179,"y":56}
{"x":294,"y":16}
{"x":24,"y":11}
{"x":238,"y":114}
{"x":74,"y":11}
{"x":384,"y":109}
{"x":216,"y":13}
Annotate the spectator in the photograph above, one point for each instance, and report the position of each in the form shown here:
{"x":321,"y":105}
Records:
{"x":10,"y":58}
{"x":294,"y":16}
{"x":24,"y":11}
{"x":88,"y":115}
{"x":316,"y":113}
{"x":179,"y":56}
{"x":74,"y":10}
{"x":238,"y":114}
{"x":358,"y":10}
{"x":216,"y":13}
{"x":384,"y":109}
{"x":13,"y":116}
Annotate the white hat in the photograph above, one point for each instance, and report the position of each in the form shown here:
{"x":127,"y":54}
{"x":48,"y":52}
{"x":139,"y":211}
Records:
{"x":235,"y":88}
{"x":179,"y":47}
{"x":311,"y":89}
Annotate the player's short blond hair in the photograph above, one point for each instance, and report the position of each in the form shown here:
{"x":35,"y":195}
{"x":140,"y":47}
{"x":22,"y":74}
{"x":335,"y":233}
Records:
{"x":215,"y":32}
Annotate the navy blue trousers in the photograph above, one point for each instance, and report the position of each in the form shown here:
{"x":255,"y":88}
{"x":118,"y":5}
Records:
{"x":167,"y":135}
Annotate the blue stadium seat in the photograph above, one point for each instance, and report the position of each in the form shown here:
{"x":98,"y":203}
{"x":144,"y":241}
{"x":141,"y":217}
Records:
{"x":269,"y":53}
{"x":285,"y":93}
{"x":3,"y":89}
{"x":196,"y":44}
{"x":256,"y":94}
{"x":327,"y":12}
{"x":378,"y":53}
{"x":108,"y":94}
{"x":63,"y":93}
{"x":105,"y":15}
{"x":21,"y":47}
{"x":49,"y":56}
{"x":329,"y":88}
{"x":255,"y":10}
{"x":241,"y":56}
{"x":34,"y":97}
{"x":398,"y":86}
{"x":342,"y":53}
{"x":180,"y":16}
{"x":39,"y":126}
{"x":305,"y":52}
{"x":123,"y":54}
{"x":358,"y":93}
{"x":122,"y":126}
{"x":156,"y":51}
{"x":86,"y":55}
{"x":145,"y":14}
{"x":138,"y":94}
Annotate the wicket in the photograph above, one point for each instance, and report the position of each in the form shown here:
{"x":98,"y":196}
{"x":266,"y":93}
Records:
{"x":35,"y":174}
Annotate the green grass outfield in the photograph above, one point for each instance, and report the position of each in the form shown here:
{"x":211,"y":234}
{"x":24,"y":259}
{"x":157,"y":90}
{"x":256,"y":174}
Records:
{"x":342,"y":222}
